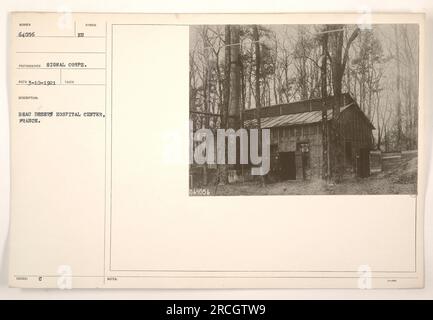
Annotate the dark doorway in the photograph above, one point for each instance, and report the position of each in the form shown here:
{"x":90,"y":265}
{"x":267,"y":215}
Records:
{"x":364,"y":163}
{"x":304,"y":149}
{"x":288,"y":166}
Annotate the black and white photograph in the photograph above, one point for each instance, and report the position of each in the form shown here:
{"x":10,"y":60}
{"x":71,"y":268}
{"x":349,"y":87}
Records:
{"x":303,"y":109}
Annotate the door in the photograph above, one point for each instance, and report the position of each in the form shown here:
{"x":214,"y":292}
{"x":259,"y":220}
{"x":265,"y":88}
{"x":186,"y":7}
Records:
{"x":303,"y":165}
{"x":288,"y":165}
{"x":364,"y":163}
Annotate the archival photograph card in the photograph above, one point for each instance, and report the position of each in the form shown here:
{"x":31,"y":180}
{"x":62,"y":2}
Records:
{"x":336,"y":104}
{"x":216,"y":150}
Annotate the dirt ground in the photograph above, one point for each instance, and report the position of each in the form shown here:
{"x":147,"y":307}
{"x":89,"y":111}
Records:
{"x":401,"y":180}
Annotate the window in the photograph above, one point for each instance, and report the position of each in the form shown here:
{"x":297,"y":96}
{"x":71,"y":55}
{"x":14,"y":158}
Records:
{"x":304,"y":147}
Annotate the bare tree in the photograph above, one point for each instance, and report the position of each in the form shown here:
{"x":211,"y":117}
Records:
{"x":235,"y":79}
{"x":324,"y":92}
{"x":339,"y":58}
{"x":399,"y":121}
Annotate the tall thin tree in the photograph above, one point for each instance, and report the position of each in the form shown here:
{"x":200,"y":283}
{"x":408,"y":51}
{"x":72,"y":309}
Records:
{"x":324,"y":93}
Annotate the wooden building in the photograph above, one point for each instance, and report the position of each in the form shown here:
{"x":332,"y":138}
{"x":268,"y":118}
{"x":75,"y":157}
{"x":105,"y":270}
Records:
{"x":296,"y":137}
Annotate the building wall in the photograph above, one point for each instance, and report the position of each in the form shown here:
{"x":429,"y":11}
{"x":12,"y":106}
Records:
{"x":356,"y":134}
{"x":288,"y":139}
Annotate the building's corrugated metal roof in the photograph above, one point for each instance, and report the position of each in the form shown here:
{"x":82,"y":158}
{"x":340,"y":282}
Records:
{"x":291,"y":119}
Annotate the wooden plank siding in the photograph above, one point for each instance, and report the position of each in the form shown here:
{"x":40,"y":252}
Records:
{"x":287,"y":139}
{"x":356,"y":133}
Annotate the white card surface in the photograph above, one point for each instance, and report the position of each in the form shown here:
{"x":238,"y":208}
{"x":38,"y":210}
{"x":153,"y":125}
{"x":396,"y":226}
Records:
{"x":104,"y":194}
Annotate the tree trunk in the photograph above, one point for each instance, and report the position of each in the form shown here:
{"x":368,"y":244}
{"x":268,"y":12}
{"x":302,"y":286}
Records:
{"x":222,"y":168}
{"x":398,"y":87}
{"x":227,"y":67}
{"x":339,"y":61}
{"x":337,"y":74}
{"x":257,"y":74}
{"x":235,"y":80}
{"x":324,"y":93}
{"x":256,"y":39}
